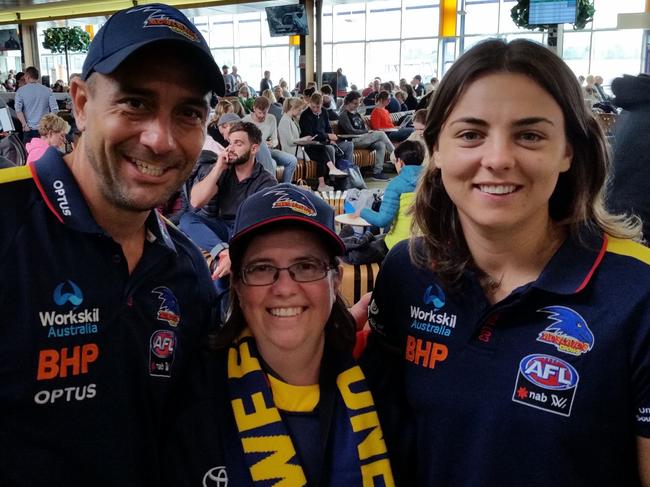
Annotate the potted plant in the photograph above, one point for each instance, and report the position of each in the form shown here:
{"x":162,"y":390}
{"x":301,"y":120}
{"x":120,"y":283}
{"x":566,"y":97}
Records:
{"x":64,"y":40}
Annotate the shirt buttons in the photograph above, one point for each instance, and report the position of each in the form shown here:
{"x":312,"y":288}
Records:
{"x":116,"y":259}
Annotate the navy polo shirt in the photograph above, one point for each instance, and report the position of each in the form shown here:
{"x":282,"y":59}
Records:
{"x":94,"y":359}
{"x":548,"y":387}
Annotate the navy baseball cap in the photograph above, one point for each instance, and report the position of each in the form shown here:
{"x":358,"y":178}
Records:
{"x":284,"y":202}
{"x":128,"y":30}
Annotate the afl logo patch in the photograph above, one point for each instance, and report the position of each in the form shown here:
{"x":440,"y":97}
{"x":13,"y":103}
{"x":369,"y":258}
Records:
{"x":162,"y":347}
{"x":547,"y":383}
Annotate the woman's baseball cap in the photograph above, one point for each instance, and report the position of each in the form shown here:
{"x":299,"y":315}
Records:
{"x":284,"y":203}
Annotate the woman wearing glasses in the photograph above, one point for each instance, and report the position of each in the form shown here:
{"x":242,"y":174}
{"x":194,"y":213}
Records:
{"x":289,"y":404}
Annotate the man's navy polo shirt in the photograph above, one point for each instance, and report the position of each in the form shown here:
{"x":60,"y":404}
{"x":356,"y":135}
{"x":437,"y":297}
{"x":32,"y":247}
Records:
{"x":94,"y":360}
{"x":549,"y":387}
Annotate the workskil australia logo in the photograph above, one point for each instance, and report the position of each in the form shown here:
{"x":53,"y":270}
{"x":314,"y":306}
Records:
{"x":428,"y":318}
{"x":68,"y":319}
{"x":568,"y":331}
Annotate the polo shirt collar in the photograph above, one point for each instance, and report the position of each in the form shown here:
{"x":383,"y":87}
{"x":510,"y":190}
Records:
{"x":573,"y":265}
{"x":64,"y":199}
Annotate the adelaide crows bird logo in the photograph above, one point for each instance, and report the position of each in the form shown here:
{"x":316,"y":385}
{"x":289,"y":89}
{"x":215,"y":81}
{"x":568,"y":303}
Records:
{"x":169,"y":310}
{"x":568,"y":332}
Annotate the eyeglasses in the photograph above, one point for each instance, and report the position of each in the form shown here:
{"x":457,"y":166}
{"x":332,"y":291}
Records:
{"x":263,"y":274}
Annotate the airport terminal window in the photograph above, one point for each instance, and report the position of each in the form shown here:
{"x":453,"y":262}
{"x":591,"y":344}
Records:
{"x":224,"y":56}
{"x":327,"y":57}
{"x":421,"y":18}
{"x":351,"y":58}
{"x":327,"y":23}
{"x":419,"y":57}
{"x":576,"y":50}
{"x":614,"y":53}
{"x":248,"y":32}
{"x":222,"y":33}
{"x":608,"y":10}
{"x":249,"y":64}
{"x":481,"y":17}
{"x":382,"y":59}
{"x":349,"y":22}
{"x":384,"y":20}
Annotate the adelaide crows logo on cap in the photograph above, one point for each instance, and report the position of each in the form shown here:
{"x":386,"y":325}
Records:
{"x":568,"y":332}
{"x":296,"y":202}
{"x":160,"y":18}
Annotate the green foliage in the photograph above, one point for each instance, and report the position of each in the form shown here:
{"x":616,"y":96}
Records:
{"x":585,"y":14}
{"x":66,"y":39}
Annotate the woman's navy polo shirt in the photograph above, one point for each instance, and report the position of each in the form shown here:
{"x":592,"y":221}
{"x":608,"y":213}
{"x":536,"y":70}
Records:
{"x":549,"y":387}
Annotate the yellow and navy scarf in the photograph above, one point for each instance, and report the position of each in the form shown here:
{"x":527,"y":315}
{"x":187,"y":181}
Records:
{"x":268,"y":448}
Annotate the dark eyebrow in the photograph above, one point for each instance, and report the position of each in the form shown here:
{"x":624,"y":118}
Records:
{"x":518,"y":123}
{"x":131,"y":90}
{"x":531,"y":121}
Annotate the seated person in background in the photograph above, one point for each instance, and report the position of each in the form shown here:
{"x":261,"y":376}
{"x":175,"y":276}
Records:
{"x":417,"y":85}
{"x":216,"y":191}
{"x":314,"y":122}
{"x":400,"y":96}
{"x":245,"y":98}
{"x":268,"y":127}
{"x":419,"y":122}
{"x":350,"y":122}
{"x":279,"y":94}
{"x":370,"y":97}
{"x":411,"y":101}
{"x":289,"y":134}
{"x":223,"y":106}
{"x":393,"y":104}
{"x":275,"y":105}
{"x":398,"y":196}
{"x":329,"y":102}
{"x":380,"y":120}
{"x":52,"y":130}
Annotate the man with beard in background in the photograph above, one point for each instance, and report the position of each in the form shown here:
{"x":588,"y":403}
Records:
{"x":218,"y":190}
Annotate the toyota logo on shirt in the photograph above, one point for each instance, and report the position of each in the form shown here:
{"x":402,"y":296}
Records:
{"x":216,"y":477}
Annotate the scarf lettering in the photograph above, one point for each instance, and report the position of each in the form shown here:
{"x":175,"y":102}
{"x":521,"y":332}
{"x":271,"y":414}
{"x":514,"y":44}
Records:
{"x":262,"y":429}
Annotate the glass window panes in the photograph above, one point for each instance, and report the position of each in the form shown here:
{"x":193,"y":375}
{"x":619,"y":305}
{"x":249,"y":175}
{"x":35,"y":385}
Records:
{"x":350,"y":58}
{"x":382,"y":59}
{"x":249,"y":31}
{"x":575,"y":53}
{"x":384,"y":19}
{"x":614,"y":53}
{"x":420,"y":19}
{"x":224,"y":56}
{"x":327,"y":22}
{"x":349,"y":22}
{"x":506,"y":23}
{"x":249,"y":65}
{"x":222,"y":33}
{"x":419,"y":57}
{"x":327,"y":57}
{"x":607,"y":11}
{"x":481,"y":17}
{"x":276,"y":60}
{"x":267,"y":40}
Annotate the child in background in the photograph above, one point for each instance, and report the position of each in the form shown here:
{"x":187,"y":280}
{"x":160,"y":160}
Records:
{"x":399,"y":195}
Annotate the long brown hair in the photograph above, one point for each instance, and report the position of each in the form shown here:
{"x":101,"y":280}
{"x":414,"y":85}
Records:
{"x":577,"y":200}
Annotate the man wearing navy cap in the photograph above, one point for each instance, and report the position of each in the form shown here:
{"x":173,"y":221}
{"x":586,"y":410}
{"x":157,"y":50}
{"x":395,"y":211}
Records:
{"x":103,"y":304}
